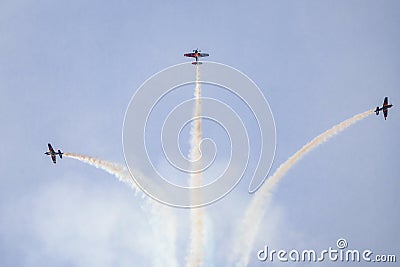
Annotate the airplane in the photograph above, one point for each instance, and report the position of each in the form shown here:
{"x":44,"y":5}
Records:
{"x":384,"y":108}
{"x":53,"y":154}
{"x":196,"y":54}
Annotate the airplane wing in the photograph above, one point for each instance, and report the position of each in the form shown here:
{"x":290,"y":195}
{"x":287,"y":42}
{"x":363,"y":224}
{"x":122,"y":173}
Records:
{"x":203,"y":55}
{"x":190,"y":55}
{"x":385,"y":102}
{"x":385,"y":113}
{"x":53,"y":158}
{"x":50,"y":148}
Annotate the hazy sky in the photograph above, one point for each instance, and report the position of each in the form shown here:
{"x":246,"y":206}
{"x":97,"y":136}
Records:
{"x":69,"y":68}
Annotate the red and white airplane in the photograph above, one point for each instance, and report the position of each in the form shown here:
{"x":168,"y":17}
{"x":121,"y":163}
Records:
{"x":384,"y":108}
{"x":53,"y":154}
{"x":196,"y":54}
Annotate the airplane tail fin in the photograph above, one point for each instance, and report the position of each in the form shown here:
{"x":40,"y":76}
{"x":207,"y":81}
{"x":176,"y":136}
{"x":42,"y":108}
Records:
{"x":377,"y":110}
{"x":60,"y":153}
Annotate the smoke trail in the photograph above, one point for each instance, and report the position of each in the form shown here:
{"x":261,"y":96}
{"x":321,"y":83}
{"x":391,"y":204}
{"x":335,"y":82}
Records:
{"x":255,"y":212}
{"x":164,"y":227}
{"x":121,"y":172}
{"x":208,"y":242}
{"x":162,"y":222}
{"x":195,"y":253}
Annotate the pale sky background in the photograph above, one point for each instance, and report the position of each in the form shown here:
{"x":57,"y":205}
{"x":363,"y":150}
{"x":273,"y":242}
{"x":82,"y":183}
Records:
{"x":69,"y":68}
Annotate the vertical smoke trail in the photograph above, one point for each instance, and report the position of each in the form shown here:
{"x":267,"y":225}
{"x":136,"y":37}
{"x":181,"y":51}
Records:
{"x":195,"y":253}
{"x":255,"y":212}
{"x":161,"y":220}
{"x":208,"y":242}
{"x":164,"y":227}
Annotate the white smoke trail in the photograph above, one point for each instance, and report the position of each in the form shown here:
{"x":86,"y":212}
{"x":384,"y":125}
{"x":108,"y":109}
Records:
{"x":164,"y":227}
{"x":195,"y":253}
{"x":255,"y":212}
{"x":121,"y":172}
{"x":208,"y":242}
{"x":162,"y":222}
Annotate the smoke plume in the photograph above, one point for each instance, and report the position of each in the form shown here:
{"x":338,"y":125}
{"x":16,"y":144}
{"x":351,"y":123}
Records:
{"x":163,"y":223}
{"x":195,"y":253}
{"x":251,"y":222}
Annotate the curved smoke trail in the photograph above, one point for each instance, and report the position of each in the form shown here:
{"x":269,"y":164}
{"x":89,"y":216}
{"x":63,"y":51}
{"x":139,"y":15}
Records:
{"x":119,"y":171}
{"x":255,"y":212}
{"x":162,"y":222}
{"x":195,"y":253}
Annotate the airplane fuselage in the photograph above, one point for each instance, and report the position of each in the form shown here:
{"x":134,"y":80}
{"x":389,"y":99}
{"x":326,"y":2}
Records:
{"x":53,"y":153}
{"x":383,"y":108}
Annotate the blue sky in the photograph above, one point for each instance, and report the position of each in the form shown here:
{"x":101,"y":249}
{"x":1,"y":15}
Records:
{"x":69,"y":69}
